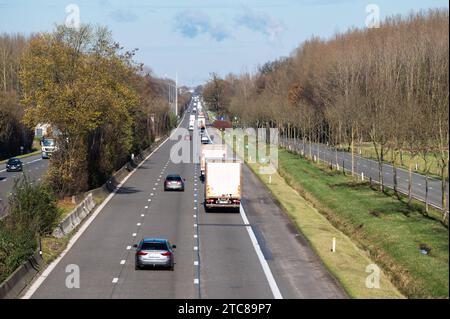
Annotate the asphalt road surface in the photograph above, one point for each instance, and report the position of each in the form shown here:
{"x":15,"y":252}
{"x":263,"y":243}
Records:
{"x":34,"y":167}
{"x":215,"y":256}
{"x":370,"y":169}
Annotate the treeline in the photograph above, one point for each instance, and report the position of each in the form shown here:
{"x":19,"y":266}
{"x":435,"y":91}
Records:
{"x":387,"y":85}
{"x":13,"y":134}
{"x":101,"y":104}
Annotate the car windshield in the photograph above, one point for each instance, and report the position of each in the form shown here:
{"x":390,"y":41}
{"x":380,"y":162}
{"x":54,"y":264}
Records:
{"x":154,"y":246}
{"x":14,"y":161}
{"x":48,"y":142}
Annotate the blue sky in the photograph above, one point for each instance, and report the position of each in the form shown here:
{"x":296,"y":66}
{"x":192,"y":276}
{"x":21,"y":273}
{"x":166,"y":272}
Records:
{"x":197,"y":37}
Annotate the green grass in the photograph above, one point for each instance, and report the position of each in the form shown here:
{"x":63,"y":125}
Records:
{"x":387,"y":228}
{"x":23,"y":156}
{"x":211,"y":115}
{"x":348,"y":264}
{"x":367,"y":150}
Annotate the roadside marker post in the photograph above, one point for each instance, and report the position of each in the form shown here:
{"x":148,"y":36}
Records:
{"x":333,"y":245}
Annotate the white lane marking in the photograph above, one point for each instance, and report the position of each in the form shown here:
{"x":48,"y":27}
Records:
{"x":159,"y":179}
{"x":196,"y":263}
{"x":122,"y":262}
{"x":128,"y":247}
{"x":195,"y":195}
{"x":196,"y":281}
{"x":195,"y":216}
{"x":142,"y":215}
{"x":115,"y":280}
{"x":149,"y":200}
{"x":156,"y":183}
{"x":265,"y":266}
{"x":138,"y":224}
{"x":83,"y":228}
{"x":146,"y":207}
{"x":152,"y":194}
{"x":195,"y":225}
{"x":195,"y":201}
{"x":154,"y":189}
{"x":195,"y":236}
{"x":134,"y":234}
{"x":195,"y":248}
{"x":195,"y":207}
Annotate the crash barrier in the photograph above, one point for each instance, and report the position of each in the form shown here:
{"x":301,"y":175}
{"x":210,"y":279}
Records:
{"x":19,"y":279}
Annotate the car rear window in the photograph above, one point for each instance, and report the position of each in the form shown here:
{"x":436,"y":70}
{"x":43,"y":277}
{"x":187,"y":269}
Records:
{"x":173,"y":178}
{"x":154,"y":246}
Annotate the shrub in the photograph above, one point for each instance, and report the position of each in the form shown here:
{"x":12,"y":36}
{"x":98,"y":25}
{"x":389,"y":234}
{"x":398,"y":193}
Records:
{"x":33,"y":207}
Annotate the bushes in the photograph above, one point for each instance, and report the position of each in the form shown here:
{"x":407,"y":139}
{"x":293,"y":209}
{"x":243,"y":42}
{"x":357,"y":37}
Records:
{"x":33,"y":207}
{"x":15,"y":247}
{"x":32,"y":211}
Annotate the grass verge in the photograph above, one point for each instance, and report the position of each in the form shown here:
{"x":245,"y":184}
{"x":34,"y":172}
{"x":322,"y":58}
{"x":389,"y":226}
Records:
{"x":388,"y":229}
{"x":367,"y":224}
{"x":23,"y":156}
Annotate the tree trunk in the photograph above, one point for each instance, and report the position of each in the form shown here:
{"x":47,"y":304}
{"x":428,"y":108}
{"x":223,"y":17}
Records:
{"x":443,"y":189}
{"x":410,"y":183}
{"x":394,"y":167}
{"x":353,"y":151}
{"x":426,"y":194}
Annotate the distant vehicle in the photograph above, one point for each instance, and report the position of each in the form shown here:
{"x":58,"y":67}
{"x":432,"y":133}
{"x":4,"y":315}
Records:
{"x":212,"y":151}
{"x":154,"y":252}
{"x":223,"y":180}
{"x":201,"y":121}
{"x":191,"y":126}
{"x":174,"y":182}
{"x":48,"y":146}
{"x":194,"y":110}
{"x":205,"y":140}
{"x":14,"y":165}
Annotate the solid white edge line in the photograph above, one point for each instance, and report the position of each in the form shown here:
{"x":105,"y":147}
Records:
{"x":38,"y":282}
{"x":265,"y":266}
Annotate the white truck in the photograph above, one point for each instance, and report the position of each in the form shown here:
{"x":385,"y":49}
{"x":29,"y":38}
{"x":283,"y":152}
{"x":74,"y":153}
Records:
{"x":191,"y":122}
{"x":211,"y":151}
{"x":48,"y":146}
{"x":201,"y":121}
{"x":223,"y":181}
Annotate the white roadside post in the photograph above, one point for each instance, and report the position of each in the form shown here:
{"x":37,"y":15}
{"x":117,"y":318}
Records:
{"x":333,"y":245}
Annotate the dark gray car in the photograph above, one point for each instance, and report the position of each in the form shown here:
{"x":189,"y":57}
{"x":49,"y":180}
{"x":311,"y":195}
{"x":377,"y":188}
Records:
{"x":14,"y":165}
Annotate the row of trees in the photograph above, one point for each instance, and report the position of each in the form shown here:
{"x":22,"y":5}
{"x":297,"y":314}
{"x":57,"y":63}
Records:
{"x":387,"y":85}
{"x":103,"y":105}
{"x":13,"y":134}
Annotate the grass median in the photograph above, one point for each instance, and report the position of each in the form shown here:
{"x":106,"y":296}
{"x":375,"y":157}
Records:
{"x":369,"y":227}
{"x":393,"y":233}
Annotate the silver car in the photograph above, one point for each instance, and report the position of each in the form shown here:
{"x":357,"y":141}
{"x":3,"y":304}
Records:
{"x":154,"y":252}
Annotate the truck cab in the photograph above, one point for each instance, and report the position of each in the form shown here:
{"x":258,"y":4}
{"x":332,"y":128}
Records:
{"x":48,"y":146}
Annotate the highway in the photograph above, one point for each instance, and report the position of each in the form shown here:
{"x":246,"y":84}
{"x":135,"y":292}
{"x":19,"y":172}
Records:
{"x":370,"y":169}
{"x":256,"y":253}
{"x":34,"y":167}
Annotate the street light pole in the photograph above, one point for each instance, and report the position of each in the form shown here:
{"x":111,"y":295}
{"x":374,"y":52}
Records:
{"x":176,"y":94}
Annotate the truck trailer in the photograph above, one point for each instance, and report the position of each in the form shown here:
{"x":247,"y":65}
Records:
{"x":223,"y":184}
{"x":211,"y":151}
